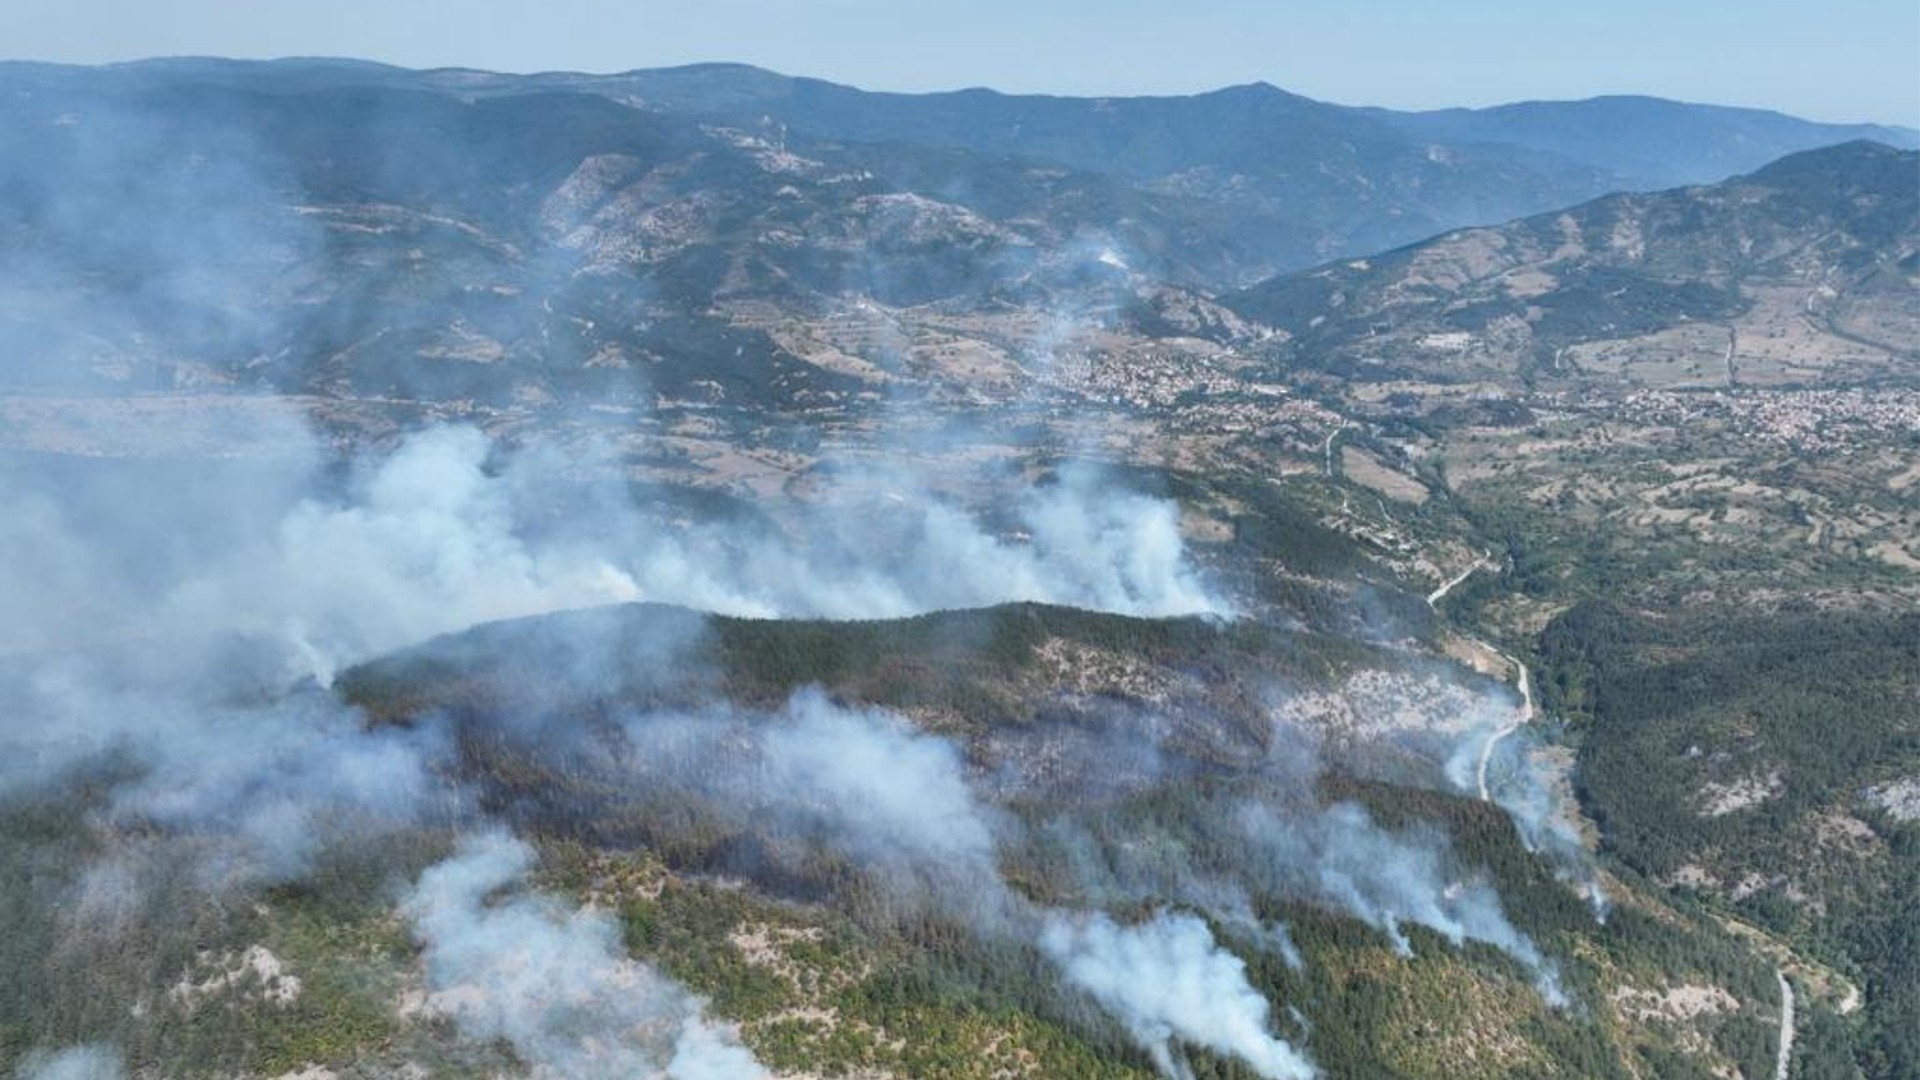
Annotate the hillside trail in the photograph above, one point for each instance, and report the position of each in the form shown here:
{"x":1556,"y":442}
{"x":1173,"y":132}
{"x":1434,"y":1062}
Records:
{"x":1439,"y":594}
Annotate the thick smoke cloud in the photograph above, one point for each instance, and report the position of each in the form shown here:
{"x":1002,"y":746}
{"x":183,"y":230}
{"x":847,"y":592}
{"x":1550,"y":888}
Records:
{"x":263,"y":778}
{"x":222,"y":587}
{"x":1083,"y":542}
{"x":217,"y":586}
{"x":427,"y":542}
{"x":449,"y":531}
{"x":160,"y":611}
{"x":141,"y":641}
{"x":892,"y":791}
{"x":555,"y":983}
{"x":282,"y":784}
{"x":1167,"y":979}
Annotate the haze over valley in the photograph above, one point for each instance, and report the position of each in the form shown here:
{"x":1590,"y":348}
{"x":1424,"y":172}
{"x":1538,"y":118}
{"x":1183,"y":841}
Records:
{"x":703,"y":573}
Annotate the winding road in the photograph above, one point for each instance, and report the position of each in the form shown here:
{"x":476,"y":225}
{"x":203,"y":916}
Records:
{"x":1525,"y":681}
{"x":1784,"y":1063}
{"x":1526,"y":717}
{"x":1332,"y":435}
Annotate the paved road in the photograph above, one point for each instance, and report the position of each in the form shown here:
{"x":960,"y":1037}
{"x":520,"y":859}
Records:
{"x":1520,"y":669}
{"x":1526,"y":717}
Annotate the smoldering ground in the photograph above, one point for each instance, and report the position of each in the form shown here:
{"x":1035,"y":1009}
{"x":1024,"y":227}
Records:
{"x":76,"y":1063}
{"x":1429,"y":725}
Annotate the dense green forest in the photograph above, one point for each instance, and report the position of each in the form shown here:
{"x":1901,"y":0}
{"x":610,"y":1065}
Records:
{"x":911,"y":991}
{"x":1732,"y":754}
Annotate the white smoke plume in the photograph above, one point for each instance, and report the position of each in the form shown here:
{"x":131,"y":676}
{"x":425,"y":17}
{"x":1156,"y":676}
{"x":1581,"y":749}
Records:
{"x":1169,"y":982}
{"x":424,"y":542}
{"x":1289,"y":951}
{"x":882,"y":544}
{"x":169,"y":608}
{"x":220,"y":584}
{"x":207,"y":742}
{"x":870,"y":785}
{"x":1520,"y":784}
{"x":861,"y":782}
{"x":449,"y":531}
{"x":1341,"y":857}
{"x":891,"y":790}
{"x":283,"y":783}
{"x":554,"y":982}
{"x":76,"y":1063}
{"x":427,"y":543}
{"x":1285,"y":846}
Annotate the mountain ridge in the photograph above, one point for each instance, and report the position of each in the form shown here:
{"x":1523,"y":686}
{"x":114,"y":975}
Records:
{"x":1339,"y":180}
{"x":1821,"y":237}
{"x":758,"y":71}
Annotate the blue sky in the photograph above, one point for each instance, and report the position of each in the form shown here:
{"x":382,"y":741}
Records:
{"x":1831,"y":60}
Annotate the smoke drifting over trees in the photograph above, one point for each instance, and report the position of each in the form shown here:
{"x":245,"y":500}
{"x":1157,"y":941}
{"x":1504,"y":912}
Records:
{"x":175,"y":627}
{"x":1166,"y":979}
{"x":553,"y":982}
{"x":442,"y":534}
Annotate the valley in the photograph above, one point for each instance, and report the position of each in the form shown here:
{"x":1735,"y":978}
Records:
{"x":706,"y":574}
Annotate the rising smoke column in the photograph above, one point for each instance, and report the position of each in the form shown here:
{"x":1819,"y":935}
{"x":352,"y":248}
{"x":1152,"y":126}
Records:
{"x":555,"y":982}
{"x":278,"y":784}
{"x":446,"y":532}
{"x":868,"y":784}
{"x":883,"y":787}
{"x":1281,"y":844}
{"x":879,"y":543}
{"x":1167,"y":980}
{"x":1339,"y":856}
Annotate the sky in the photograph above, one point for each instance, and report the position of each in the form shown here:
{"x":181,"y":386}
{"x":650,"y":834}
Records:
{"x":1837,"y":60}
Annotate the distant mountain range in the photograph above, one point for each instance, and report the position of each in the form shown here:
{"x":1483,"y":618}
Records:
{"x":1557,"y":463}
{"x":1292,"y":180}
{"x":343,"y":228}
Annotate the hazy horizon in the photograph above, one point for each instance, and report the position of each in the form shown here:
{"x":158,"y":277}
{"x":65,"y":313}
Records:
{"x":1912,"y":125}
{"x":1849,"y":62}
